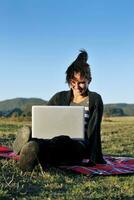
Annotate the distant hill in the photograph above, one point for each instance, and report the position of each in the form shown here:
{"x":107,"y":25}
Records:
{"x":119,"y":109}
{"x":22,"y":107}
{"x":19,"y":106}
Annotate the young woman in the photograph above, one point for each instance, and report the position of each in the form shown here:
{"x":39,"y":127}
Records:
{"x":62,"y":149}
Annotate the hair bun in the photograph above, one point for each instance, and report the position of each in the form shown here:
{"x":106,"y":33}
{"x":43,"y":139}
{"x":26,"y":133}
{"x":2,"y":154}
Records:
{"x":82,"y":57}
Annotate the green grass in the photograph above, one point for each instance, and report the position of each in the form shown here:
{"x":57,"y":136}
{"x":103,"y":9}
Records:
{"x":117,"y":139}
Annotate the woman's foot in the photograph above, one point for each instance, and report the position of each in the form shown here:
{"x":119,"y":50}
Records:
{"x":29,"y":156}
{"x":23,"y":136}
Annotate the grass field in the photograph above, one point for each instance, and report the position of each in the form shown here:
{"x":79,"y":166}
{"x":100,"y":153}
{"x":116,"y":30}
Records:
{"x":117,"y":139}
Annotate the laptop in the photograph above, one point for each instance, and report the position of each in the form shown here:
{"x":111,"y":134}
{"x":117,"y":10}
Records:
{"x":52,"y":121}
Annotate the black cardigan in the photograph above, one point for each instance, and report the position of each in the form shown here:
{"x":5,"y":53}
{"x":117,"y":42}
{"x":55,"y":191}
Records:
{"x":95,"y":117}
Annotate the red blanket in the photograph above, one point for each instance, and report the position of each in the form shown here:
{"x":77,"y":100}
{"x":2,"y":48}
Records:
{"x":6,"y":152}
{"x":114,"y":166}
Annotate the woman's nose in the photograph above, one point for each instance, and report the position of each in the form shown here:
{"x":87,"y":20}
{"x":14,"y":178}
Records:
{"x":76,"y":85}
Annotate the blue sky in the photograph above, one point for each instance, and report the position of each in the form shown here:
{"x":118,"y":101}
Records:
{"x":40,"y":38}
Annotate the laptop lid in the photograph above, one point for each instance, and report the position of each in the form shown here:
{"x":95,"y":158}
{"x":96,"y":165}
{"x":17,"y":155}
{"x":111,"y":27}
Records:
{"x":52,"y":121}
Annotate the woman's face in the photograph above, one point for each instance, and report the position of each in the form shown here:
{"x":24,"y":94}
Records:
{"x":79,"y":84}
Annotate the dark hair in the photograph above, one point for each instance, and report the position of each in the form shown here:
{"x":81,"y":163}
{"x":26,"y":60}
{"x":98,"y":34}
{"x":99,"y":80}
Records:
{"x":81,"y":66}
{"x":82,"y":57}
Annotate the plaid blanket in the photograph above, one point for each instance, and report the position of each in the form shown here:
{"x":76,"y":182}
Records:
{"x":114,"y":166}
{"x":6,"y":152}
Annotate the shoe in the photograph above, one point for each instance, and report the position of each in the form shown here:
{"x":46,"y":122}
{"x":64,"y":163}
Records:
{"x":101,"y":161}
{"x":89,"y":164}
{"x":23,"y":136}
{"x":29,"y":156}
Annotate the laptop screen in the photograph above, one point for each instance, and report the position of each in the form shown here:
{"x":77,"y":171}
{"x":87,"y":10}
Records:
{"x":52,"y":121}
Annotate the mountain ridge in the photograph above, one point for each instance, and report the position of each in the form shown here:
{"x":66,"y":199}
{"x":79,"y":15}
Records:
{"x":20,"y":102}
{"x":21,"y":106}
